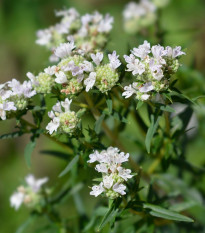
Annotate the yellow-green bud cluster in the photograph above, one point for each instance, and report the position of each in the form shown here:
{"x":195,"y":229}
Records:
{"x":68,"y":122}
{"x":46,"y":83}
{"x":73,"y":87}
{"x":106,"y":78}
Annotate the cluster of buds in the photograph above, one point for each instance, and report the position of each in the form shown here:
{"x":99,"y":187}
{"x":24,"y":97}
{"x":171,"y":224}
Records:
{"x":14,"y":96}
{"x":137,"y":16}
{"x":62,"y":121}
{"x":152,"y":67}
{"x":89,"y":31}
{"x":113,"y":174}
{"x":76,"y":71}
{"x":29,"y":194}
{"x":43,"y":82}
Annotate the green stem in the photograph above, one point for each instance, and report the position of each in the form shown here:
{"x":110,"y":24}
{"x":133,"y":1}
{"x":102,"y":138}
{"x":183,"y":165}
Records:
{"x":66,"y":147}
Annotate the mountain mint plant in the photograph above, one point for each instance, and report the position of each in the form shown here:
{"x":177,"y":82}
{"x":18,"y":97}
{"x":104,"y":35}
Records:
{"x":106,"y":109}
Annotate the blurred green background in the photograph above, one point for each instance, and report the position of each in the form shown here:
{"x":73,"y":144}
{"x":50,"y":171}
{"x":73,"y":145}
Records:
{"x":20,"y":19}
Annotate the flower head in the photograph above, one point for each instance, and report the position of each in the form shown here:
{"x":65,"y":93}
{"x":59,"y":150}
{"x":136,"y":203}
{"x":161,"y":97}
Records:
{"x":114,"y":175}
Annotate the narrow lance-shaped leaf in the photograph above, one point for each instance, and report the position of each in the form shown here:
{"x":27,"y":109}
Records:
{"x":11,"y":135}
{"x":160,"y":212}
{"x":150,"y":132}
{"x":109,"y":105}
{"x":69,"y":166}
{"x":112,"y":212}
{"x":28,"y":151}
{"x":98,"y":123}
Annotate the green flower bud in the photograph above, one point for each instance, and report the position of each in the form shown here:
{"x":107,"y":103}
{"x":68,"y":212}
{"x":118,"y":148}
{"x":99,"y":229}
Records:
{"x":68,"y":122}
{"x":73,"y":87}
{"x":106,"y":78}
{"x":46,"y":82}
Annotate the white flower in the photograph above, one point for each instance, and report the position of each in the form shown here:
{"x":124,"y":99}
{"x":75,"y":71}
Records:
{"x":119,"y":188}
{"x":108,"y":181}
{"x":129,"y":91}
{"x":87,"y":66}
{"x":51,"y":70}
{"x":105,"y":24}
{"x":142,"y":51}
{"x":53,"y":58}
{"x":16,"y":200}
{"x":4,"y":94}
{"x":53,"y":125}
{"x":146,"y":87}
{"x":156,"y":70}
{"x":61,"y":77}
{"x":57,"y":107}
{"x":134,"y":65}
{"x":90,"y":81}
{"x":158,"y":52}
{"x":114,"y":61}
{"x":133,"y":10}
{"x":65,"y":49}
{"x":145,"y":97}
{"x":97,"y":190}
{"x":124,"y":173}
{"x":86,"y":19}
{"x":97,"y":58}
{"x":96,"y":156}
{"x":148,"y":5}
{"x":173,"y":53}
{"x":32,"y":78}
{"x":35,"y":184}
{"x":102,"y":167}
{"x":4,"y":107}
{"x":66,"y":104}
{"x":44,"y":37}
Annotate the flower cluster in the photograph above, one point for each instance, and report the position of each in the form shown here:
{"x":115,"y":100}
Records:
{"x":14,"y":96}
{"x":77,"y":70}
{"x":114,"y":175}
{"x":152,"y":67}
{"x":137,"y":16}
{"x":29,"y":194}
{"x":62,"y":121}
{"x":88,"y":31}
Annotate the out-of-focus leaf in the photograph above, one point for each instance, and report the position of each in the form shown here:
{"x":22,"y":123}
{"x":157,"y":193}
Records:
{"x":69,"y":166}
{"x":112,"y":212}
{"x":98,"y":123}
{"x":55,"y":153}
{"x":28,"y":151}
{"x":109,"y":105}
{"x":150,"y":133}
{"x":160,"y":212}
{"x":182,"y":206}
{"x":22,"y":228}
{"x":11,"y":135}
{"x":167,"y":108}
{"x":139,"y":104}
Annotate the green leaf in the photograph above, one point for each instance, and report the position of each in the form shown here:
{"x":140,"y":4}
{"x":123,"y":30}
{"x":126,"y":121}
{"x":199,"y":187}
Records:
{"x":58,"y":154}
{"x":28,"y":151}
{"x":98,"y":123}
{"x":98,"y":179}
{"x":11,"y":135}
{"x":69,"y":166}
{"x":160,"y":212}
{"x":109,"y":105}
{"x":139,"y":104}
{"x":23,"y":227}
{"x":167,"y":108}
{"x":150,"y":132}
{"x":112,"y":212}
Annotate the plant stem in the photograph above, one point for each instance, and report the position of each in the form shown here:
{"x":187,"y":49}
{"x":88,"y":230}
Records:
{"x":68,"y":149}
